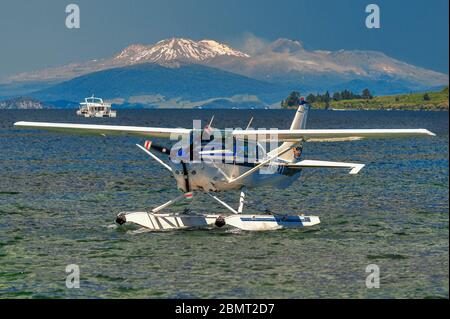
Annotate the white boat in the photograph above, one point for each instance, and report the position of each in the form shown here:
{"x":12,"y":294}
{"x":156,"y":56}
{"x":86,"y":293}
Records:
{"x":95,"y":107}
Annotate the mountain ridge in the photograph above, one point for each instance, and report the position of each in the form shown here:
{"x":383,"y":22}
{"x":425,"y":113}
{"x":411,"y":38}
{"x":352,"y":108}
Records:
{"x":284,"y":62}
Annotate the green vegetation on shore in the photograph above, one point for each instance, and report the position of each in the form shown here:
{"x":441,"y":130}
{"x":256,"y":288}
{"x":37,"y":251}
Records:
{"x":413,"y":101}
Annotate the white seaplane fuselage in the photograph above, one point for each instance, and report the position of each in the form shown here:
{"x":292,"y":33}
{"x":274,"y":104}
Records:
{"x":213,"y":171}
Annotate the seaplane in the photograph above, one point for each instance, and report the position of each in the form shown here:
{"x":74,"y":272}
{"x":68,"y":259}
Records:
{"x":204,"y":159}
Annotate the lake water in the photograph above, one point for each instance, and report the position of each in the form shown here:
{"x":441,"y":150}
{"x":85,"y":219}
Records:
{"x":59,"y":195}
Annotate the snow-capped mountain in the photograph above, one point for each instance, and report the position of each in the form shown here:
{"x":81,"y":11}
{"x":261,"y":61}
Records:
{"x":177,"y":49}
{"x":162,"y":52}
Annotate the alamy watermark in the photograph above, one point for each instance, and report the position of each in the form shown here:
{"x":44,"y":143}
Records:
{"x":73,"y":16}
{"x":373,"y":279}
{"x":73,"y":277}
{"x":229,"y":146}
{"x":373,"y":19}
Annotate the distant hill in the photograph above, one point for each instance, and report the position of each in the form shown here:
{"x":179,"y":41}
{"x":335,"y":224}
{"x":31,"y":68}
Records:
{"x":16,"y":89}
{"x":377,"y":87}
{"x":24,"y":103}
{"x":414,"y":101}
{"x":155,"y":85}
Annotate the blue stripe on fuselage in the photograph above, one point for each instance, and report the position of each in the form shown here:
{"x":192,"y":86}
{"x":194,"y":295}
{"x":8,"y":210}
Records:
{"x":290,"y":219}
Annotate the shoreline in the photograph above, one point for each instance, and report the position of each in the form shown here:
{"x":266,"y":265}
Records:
{"x":227,"y":109}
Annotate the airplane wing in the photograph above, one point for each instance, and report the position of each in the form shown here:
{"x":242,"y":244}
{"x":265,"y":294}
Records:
{"x":354,"y":167}
{"x":105,"y":130}
{"x":282,"y":135}
{"x":330,"y":135}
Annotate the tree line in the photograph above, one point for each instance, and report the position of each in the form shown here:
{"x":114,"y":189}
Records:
{"x":294,"y":98}
{"x":338,"y":96}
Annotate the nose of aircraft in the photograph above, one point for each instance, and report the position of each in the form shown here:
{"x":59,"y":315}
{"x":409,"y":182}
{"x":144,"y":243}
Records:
{"x":181,"y":175}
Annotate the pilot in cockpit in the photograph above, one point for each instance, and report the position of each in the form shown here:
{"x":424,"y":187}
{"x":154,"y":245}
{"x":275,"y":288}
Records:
{"x":297,"y":152}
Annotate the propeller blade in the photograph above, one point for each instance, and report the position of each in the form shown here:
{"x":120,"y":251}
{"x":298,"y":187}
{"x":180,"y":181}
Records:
{"x":161,"y":149}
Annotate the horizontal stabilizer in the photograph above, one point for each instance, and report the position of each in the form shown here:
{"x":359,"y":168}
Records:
{"x":354,"y":167}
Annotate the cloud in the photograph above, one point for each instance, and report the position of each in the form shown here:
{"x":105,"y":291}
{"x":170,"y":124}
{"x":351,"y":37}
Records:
{"x":250,"y":43}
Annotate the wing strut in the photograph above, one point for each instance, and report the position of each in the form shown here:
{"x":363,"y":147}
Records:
{"x":172,"y":201}
{"x":156,"y":158}
{"x":231,"y":209}
{"x":259,"y":166}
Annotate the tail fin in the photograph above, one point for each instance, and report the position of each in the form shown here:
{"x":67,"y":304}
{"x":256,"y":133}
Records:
{"x":300,"y":117}
{"x":299,"y":122}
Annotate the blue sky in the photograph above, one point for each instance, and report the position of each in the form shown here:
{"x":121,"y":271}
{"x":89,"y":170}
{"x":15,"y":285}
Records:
{"x":33,"y":33}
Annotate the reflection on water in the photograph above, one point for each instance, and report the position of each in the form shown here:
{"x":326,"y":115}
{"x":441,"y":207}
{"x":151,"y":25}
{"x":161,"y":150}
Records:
{"x":59,"y":195}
